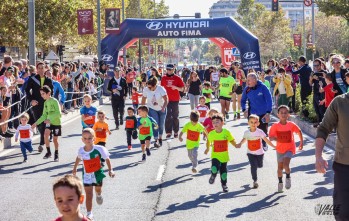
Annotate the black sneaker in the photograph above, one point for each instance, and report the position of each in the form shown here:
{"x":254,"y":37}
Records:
{"x":212,"y":178}
{"x":175,"y":135}
{"x":40,"y":149}
{"x":168,"y":136}
{"x":56,"y":159}
{"x":148,"y":151}
{"x":156,"y":144}
{"x":238,"y":116}
{"x":47,"y":155}
{"x":121,"y":122}
{"x":160,"y":142}
{"x":25,"y":160}
{"x":227,"y":115}
{"x":117,"y":128}
{"x":144,"y":157}
{"x":225,"y":188}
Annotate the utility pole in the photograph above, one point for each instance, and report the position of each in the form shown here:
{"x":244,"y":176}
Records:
{"x":123,"y":18}
{"x":155,"y":47}
{"x":140,"y":41}
{"x":99,"y":29}
{"x":31,"y":25}
{"x":313,"y":27}
{"x":304,"y":35}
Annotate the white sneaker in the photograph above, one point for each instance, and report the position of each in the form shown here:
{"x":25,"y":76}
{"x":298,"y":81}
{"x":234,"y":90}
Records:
{"x":280,"y":187}
{"x":89,"y":215}
{"x":99,"y":199}
{"x":288,"y":183}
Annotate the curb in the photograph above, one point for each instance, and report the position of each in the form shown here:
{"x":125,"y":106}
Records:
{"x":8,"y":143}
{"x":308,"y":129}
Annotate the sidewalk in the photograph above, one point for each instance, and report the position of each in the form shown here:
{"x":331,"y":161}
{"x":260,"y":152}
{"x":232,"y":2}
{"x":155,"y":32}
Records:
{"x":8,"y":143}
{"x":308,"y":128}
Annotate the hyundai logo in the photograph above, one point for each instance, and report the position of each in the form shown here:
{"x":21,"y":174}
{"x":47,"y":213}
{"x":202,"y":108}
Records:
{"x":107,"y":57}
{"x":249,"y":55}
{"x":154,"y":25}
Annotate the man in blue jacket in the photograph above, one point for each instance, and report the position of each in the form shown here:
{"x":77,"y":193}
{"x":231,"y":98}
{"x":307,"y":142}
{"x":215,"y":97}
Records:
{"x":259,"y":101}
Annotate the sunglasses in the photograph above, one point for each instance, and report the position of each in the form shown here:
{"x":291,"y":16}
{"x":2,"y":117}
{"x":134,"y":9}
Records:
{"x":336,"y":62}
{"x":316,"y":65}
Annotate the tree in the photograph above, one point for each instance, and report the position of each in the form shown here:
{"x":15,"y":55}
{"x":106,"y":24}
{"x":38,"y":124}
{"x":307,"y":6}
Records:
{"x":249,"y":12}
{"x":334,"y":7}
{"x":213,"y":51}
{"x":204,"y":47}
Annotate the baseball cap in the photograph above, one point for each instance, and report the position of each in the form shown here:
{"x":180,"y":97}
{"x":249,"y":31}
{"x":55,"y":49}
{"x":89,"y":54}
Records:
{"x":10,"y":69}
{"x":116,"y":69}
{"x":169,"y":66}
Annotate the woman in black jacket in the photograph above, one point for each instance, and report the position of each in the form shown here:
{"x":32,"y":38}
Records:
{"x":338,"y":75}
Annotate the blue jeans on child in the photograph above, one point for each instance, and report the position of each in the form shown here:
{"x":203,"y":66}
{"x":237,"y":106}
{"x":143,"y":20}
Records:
{"x":26,"y":146}
{"x":159,"y":117}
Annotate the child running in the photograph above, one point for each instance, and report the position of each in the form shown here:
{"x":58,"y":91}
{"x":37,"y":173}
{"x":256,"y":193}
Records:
{"x":145,"y":126}
{"x":202,"y":109}
{"x":131,"y":127}
{"x":93,"y":173}
{"x":135,"y":98}
{"x":255,"y":151}
{"x":101,"y":129}
{"x":68,"y":196}
{"x":208,"y":121}
{"x":282,"y":132}
{"x":193,"y":130}
{"x":88,"y":112}
{"x":25,"y":132}
{"x":51,"y":116}
{"x":207,"y":92}
{"x":218,"y":139}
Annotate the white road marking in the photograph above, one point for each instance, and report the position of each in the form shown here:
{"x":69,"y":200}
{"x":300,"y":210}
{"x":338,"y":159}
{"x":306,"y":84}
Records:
{"x":5,"y":152}
{"x":160,"y":172}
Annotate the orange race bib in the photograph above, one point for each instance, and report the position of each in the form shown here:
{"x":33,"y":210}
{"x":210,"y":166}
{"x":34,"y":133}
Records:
{"x":90,"y":121}
{"x":101,"y":133}
{"x":92,"y":165}
{"x":130,"y":123}
{"x":254,"y":145}
{"x":202,"y":113}
{"x":144,"y":130}
{"x":284,"y":136}
{"x":220,"y":146}
{"x":24,"y":134}
{"x":193,"y":135}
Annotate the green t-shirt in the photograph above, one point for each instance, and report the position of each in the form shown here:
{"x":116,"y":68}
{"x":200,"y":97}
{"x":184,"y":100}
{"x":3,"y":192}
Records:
{"x":266,"y":83}
{"x":42,"y":81}
{"x":207,"y":93}
{"x":226,"y":86}
{"x":147,"y":129}
{"x":193,"y":134}
{"x":52,"y":112}
{"x":219,"y":143}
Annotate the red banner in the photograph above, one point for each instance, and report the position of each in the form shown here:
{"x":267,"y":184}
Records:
{"x":145,"y":42}
{"x":297,"y":39}
{"x":112,"y":20}
{"x":151,"y":49}
{"x":85,"y":21}
{"x":160,"y":49}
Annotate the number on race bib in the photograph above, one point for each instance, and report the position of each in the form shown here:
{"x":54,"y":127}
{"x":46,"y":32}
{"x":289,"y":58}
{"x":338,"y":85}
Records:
{"x":254,"y":145}
{"x":193,"y":135}
{"x":220,"y":146}
{"x":102,"y":133}
{"x":284,"y":136}
{"x":24,"y":134}
{"x":144,"y":130}
{"x":130,"y":123}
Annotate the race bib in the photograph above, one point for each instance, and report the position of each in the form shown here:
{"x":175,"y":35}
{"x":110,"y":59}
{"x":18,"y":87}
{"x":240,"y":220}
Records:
{"x":130,"y":124}
{"x":24,"y":134}
{"x":284,"y":136}
{"x":92,"y":165}
{"x":220,"y":146}
{"x":193,"y":135}
{"x":202,"y":113}
{"x":254,"y":145}
{"x":101,"y":133}
{"x":144,"y":130}
{"x":90,"y":121}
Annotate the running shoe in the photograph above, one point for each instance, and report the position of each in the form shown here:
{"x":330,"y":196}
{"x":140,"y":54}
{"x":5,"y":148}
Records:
{"x":156,"y":144}
{"x":148,"y":151}
{"x":280,"y":187}
{"x":227,"y":115}
{"x":89,"y":216}
{"x":47,"y":155}
{"x":160,"y":142}
{"x":194,"y":170}
{"x":255,"y":185}
{"x":288,"y":183}
{"x":99,"y":199}
{"x":238,"y":116}
{"x":56,"y":158}
{"x":168,"y":136}
{"x":175,"y":135}
{"x":144,"y":157}
{"x":212,"y":178}
{"x":129,"y":147}
{"x":40,"y":149}
{"x":225,"y":188}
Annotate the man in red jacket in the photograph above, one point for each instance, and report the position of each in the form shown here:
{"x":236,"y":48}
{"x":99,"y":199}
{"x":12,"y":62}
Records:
{"x":173,"y":85}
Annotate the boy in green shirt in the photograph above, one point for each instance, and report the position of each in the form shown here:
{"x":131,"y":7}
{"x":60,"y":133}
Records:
{"x":51,"y":116}
{"x":207,"y":92}
{"x":226,"y":85}
{"x":145,"y":126}
{"x":193,"y":130}
{"x":218,"y":139}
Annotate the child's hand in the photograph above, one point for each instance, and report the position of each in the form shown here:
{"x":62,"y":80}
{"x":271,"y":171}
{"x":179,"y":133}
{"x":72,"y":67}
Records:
{"x":322,"y":102}
{"x":180,"y":139}
{"x":109,"y":132}
{"x":16,"y":140}
{"x":207,"y":150}
{"x":74,"y":171}
{"x":238,"y":145}
{"x":111,"y":174}
{"x":33,"y":126}
{"x":300,"y":146}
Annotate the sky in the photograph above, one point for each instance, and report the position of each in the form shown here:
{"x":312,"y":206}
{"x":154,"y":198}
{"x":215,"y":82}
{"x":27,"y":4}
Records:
{"x":189,"y":7}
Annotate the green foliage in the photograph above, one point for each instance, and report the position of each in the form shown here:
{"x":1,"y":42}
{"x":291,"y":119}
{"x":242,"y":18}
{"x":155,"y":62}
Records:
{"x":308,"y":106}
{"x":213,"y":51}
{"x":334,"y":7}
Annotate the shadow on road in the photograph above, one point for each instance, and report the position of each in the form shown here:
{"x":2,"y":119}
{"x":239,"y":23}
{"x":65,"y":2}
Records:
{"x":264,"y":203}
{"x":168,"y":183}
{"x":188,"y":165}
{"x":204,"y":201}
{"x":72,"y":135}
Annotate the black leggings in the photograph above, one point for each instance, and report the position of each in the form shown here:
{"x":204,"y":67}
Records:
{"x":129,"y":89}
{"x":222,"y":168}
{"x":256,"y":161}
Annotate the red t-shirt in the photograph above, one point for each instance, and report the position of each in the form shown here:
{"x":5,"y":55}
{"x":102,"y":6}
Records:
{"x":135,"y":99}
{"x":166,"y":82}
{"x":130,"y":77}
{"x":208,"y":124}
{"x":84,"y":218}
{"x":329,"y":95}
{"x":284,"y":135}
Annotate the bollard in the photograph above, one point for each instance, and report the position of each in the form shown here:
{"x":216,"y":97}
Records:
{"x":100,"y":101}
{"x":7,"y":142}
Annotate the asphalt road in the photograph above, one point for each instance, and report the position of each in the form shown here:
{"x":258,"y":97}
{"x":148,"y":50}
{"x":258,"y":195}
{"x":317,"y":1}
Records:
{"x":164,"y":188}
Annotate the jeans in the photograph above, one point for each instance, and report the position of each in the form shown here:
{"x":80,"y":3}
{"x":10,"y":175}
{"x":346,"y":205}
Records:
{"x":118,"y":106}
{"x":222,"y":168}
{"x":256,"y":161}
{"x":194,"y":100}
{"x":172,"y":121}
{"x":26,"y":146}
{"x":69,"y":97}
{"x":319,"y":109}
{"x":159,"y":117}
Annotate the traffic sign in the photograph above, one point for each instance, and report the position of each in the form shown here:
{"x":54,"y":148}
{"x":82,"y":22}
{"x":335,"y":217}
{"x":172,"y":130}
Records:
{"x":236,"y":52}
{"x":308,"y":2}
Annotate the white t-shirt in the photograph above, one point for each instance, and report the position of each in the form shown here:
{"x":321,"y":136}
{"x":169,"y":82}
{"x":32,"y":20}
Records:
{"x":25,"y":133}
{"x":281,"y":88}
{"x":215,"y":76}
{"x":8,"y":84}
{"x":155,"y":98}
{"x":254,"y":141}
{"x":203,"y":111}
